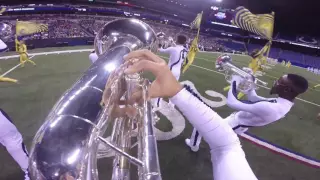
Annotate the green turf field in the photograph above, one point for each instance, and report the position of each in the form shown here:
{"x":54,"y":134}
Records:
{"x":39,"y":88}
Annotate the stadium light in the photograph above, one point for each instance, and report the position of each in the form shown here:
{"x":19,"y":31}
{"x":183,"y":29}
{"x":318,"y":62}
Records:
{"x":218,"y":1}
{"x":215,"y":8}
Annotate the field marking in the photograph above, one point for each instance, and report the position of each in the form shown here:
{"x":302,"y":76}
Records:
{"x":6,"y":73}
{"x":251,"y":138}
{"x":49,"y":52}
{"x":85,"y":50}
{"x":282,"y":151}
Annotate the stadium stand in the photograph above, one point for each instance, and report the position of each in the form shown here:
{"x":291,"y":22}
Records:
{"x":86,"y":26}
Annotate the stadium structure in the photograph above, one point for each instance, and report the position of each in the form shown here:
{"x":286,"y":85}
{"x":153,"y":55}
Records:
{"x":285,"y":150}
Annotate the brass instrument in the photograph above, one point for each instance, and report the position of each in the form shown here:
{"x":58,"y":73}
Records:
{"x":65,"y":147}
{"x":249,"y":82}
{"x":5,"y":31}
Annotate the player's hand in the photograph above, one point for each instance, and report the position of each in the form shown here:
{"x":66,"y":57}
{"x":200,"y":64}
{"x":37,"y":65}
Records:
{"x":237,"y":79}
{"x":112,"y":94}
{"x":165,"y":84}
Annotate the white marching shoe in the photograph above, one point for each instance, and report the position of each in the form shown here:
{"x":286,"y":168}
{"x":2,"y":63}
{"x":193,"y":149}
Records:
{"x":193,"y":148}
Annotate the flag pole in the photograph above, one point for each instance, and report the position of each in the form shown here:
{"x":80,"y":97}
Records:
{"x":270,"y":40}
{"x":200,"y":23}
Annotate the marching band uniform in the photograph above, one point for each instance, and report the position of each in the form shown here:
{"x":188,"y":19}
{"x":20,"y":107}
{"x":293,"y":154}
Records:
{"x":177,"y":55}
{"x":93,"y":56}
{"x":227,"y":157}
{"x":254,"y":112}
{"x":11,"y":138}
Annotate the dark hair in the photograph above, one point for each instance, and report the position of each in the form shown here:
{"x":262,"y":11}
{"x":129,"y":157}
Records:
{"x":181,"y":39}
{"x":300,"y":83}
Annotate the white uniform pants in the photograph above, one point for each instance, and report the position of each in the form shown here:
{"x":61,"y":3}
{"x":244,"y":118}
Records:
{"x":16,"y":148}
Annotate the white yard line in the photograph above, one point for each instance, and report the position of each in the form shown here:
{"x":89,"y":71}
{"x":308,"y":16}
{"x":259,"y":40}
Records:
{"x":86,"y":50}
{"x":49,"y":52}
{"x":6,"y":73}
{"x":279,"y":150}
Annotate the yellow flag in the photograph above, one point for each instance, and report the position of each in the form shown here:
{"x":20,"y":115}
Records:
{"x":260,"y":24}
{"x":17,"y":43}
{"x":2,"y":10}
{"x":194,"y":45}
{"x":196,"y":22}
{"x":191,"y":54}
{"x":27,"y":28}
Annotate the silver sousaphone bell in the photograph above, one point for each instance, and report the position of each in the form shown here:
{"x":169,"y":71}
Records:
{"x":66,"y":145}
{"x":5,"y":31}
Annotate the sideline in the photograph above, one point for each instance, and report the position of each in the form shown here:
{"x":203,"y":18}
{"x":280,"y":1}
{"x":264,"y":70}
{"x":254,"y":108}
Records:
{"x":47,"y":53}
{"x":15,"y":67}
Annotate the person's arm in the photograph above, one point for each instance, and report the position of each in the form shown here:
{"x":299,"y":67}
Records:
{"x":167,"y":50}
{"x":233,"y":102}
{"x":227,"y":156}
{"x":228,"y":159}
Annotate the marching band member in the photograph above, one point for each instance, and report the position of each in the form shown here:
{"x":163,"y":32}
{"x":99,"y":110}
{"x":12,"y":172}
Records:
{"x":22,"y":50}
{"x":177,"y":55}
{"x":257,"y":110}
{"x":93,"y":56}
{"x":11,"y":138}
{"x":227,"y":156}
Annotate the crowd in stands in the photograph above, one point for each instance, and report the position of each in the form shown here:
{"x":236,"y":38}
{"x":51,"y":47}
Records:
{"x":73,"y":26}
{"x":294,"y":57}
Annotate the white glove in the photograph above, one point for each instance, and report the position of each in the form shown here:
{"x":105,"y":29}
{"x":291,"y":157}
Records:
{"x":237,"y":79}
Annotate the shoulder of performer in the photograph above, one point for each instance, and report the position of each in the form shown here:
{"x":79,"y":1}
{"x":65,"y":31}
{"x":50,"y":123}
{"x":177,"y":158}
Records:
{"x":3,"y":45}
